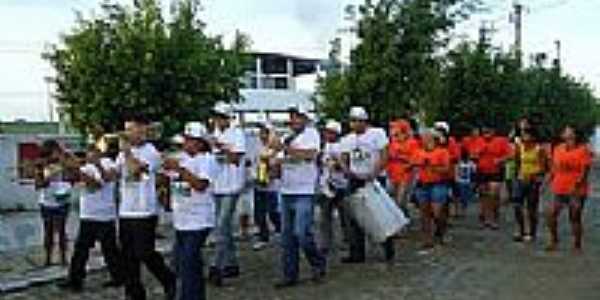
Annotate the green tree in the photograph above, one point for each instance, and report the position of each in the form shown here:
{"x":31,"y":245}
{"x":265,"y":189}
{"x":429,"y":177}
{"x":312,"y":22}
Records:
{"x":482,"y":85}
{"x":129,"y":61}
{"x":395,"y":68}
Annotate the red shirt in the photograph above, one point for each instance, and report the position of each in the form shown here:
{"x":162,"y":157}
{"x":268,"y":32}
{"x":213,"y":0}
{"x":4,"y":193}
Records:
{"x":428,"y":160}
{"x":400,"y":156}
{"x":491,"y":153}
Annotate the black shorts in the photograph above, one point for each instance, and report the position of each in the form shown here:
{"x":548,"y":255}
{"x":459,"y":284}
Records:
{"x":51,"y":212}
{"x":488,"y":178}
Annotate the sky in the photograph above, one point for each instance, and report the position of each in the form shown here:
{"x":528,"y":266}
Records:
{"x":300,"y":27}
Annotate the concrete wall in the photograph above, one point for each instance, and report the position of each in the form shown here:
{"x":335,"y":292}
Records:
{"x":16,"y":194}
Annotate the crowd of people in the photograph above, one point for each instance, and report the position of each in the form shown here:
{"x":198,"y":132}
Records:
{"x":292,"y":172}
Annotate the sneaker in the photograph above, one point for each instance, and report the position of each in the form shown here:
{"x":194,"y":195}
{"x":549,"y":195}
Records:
{"x":284,"y":284}
{"x":352,"y":260}
{"x":215,"y":277}
{"x":72,"y":286}
{"x":259,"y":246}
{"x":171,"y":291}
{"x":318,"y":276}
{"x":231,"y":272}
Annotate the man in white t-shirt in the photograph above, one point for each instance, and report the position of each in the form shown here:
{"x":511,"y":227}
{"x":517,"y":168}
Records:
{"x":333,"y":185}
{"x":298,"y":184}
{"x":229,"y":147}
{"x":365,"y":156}
{"x":193,"y":208}
{"x":98,"y":212}
{"x":137,"y":164}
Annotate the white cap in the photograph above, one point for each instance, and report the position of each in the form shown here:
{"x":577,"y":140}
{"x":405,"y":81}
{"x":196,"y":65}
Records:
{"x":195,"y":130}
{"x":334,"y":126}
{"x":358,"y":113}
{"x":299,"y":109}
{"x":442,"y":125}
{"x":177,"y":139}
{"x":222,"y":108}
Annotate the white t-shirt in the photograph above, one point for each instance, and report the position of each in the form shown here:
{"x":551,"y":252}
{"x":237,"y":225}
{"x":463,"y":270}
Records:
{"x":138,"y":197}
{"x":57,"y":193}
{"x":194,"y":210}
{"x":299,"y":177}
{"x":364,"y":150}
{"x":332,"y":152}
{"x":98,"y":204}
{"x":231,"y":178}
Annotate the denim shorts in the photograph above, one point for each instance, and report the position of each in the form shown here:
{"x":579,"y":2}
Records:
{"x":432,"y":193}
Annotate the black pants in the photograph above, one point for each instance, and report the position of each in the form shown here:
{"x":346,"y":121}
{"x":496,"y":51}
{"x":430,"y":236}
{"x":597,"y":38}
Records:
{"x":358,"y":242}
{"x":266,"y":203}
{"x":138,"y":236}
{"x":89,"y":233}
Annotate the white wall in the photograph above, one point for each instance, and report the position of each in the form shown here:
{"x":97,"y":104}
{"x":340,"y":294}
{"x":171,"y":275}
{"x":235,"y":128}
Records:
{"x":13,"y":193}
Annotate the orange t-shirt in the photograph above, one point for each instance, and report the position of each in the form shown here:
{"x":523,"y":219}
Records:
{"x":400,"y":155}
{"x":426,"y":160}
{"x":490,"y":152}
{"x":568,"y":166}
{"x":472,"y":145}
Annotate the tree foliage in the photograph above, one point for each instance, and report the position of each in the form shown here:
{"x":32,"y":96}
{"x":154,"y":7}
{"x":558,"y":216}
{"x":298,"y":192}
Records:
{"x":404,"y":67}
{"x":394,"y":67}
{"x":129,"y":61}
{"x":483,"y":86}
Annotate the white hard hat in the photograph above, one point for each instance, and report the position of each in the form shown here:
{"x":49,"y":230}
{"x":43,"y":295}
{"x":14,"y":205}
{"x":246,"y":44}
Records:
{"x":334,"y":126}
{"x":358,"y":113}
{"x":224,"y":109}
{"x":195,"y":130}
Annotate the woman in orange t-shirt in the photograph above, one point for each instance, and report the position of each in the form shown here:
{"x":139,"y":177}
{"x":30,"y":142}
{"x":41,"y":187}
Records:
{"x":492,"y":152}
{"x":433,"y":163}
{"x":571,"y":162}
{"x":400,"y":150}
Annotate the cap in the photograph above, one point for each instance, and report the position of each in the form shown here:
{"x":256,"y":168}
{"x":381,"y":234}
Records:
{"x":334,"y":126}
{"x":358,"y":113}
{"x":195,"y":130}
{"x":177,"y":139}
{"x":442,"y":125}
{"x":299,"y":109}
{"x":223,"y":109}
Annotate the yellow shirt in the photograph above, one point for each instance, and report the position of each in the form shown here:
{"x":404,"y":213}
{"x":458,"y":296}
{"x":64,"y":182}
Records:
{"x":530,"y":163}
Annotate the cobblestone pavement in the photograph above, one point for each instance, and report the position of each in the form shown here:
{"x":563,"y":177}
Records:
{"x":477,"y":264}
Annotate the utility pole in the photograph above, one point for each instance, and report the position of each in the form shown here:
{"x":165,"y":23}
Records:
{"x":558,"y":61}
{"x":518,"y":14}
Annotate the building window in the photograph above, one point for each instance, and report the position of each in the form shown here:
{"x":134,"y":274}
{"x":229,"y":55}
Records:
{"x":281,"y":83}
{"x":274,"y":65}
{"x":28,"y":155}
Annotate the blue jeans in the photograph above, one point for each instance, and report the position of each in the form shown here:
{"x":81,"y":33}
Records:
{"x":297,"y":233}
{"x":266,"y":203}
{"x":465,"y":193}
{"x":226,"y":250}
{"x":189,"y":265}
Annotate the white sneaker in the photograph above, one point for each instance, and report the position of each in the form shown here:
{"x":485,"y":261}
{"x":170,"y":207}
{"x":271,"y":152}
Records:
{"x":259,"y":246}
